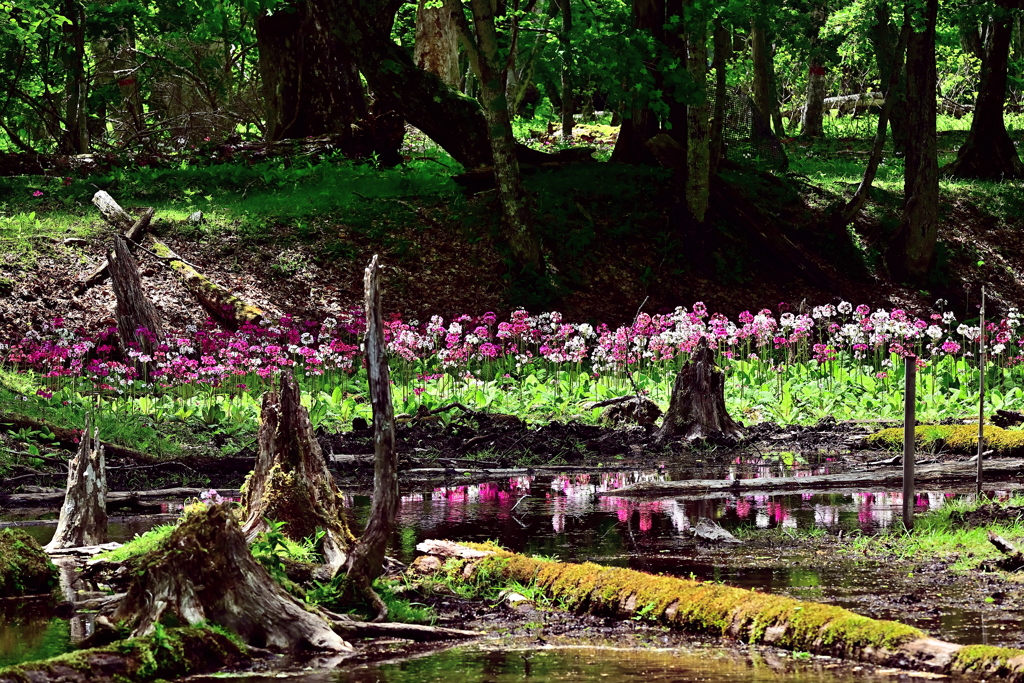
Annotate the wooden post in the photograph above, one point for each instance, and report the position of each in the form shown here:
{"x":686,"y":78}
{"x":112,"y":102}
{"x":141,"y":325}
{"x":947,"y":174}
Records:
{"x":981,"y":395}
{"x":909,"y":440}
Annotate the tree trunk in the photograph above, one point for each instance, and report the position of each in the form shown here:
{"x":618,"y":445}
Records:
{"x":290,"y":482}
{"x":763,"y":94}
{"x":697,"y":408}
{"x":126,"y":68}
{"x":989,"y":153}
{"x":518,"y":218}
{"x":437,"y":41}
{"x":76,"y":137}
{"x":311,"y":85}
{"x":883,"y":35}
{"x":642,"y":123}
{"x":138,"y":322}
{"x":366,"y":561}
{"x":911,"y":252}
{"x":698,"y":115}
{"x":565,"y":44}
{"x":447,"y":117}
{"x":723,"y":53}
{"x":812,"y":123}
{"x":83,"y":517}
{"x":845,"y":215}
{"x":204,"y":572}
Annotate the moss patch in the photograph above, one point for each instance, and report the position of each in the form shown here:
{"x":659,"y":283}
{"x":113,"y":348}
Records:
{"x":990,"y":661}
{"x":24,"y":568}
{"x":169,"y":653}
{"x":957,"y":438}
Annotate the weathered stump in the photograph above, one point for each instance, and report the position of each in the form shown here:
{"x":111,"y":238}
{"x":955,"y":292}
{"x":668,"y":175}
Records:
{"x":366,"y":561}
{"x":290,"y":482}
{"x":205,"y":572}
{"x":83,"y":517}
{"x":697,"y":408}
{"x":138,"y":321}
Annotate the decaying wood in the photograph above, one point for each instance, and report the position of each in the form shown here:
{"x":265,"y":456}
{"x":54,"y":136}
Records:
{"x":218,"y":301}
{"x":450,"y":549}
{"x":350,"y":628}
{"x":697,"y":408}
{"x":1007,"y":418}
{"x":205,"y":572}
{"x":135,"y":313}
{"x":1013,"y":559}
{"x":112,"y":211}
{"x":290,"y":482}
{"x":68,"y":438}
{"x":366,"y":561}
{"x":83,"y":517}
{"x":639,"y":410}
{"x":140,"y":226}
{"x":929,"y":474}
{"x":178,"y":493}
{"x":708,"y":530}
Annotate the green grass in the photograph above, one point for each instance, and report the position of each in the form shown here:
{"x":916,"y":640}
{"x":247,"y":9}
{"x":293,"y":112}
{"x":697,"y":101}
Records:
{"x":140,"y":545}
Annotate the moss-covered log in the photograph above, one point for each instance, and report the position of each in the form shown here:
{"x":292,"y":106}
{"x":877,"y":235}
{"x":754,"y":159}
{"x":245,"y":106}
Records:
{"x":204,"y":572}
{"x":221,"y":303}
{"x":25,"y":569}
{"x":290,"y":482}
{"x":716,"y":609}
{"x":171,"y":654}
{"x":961,"y":439}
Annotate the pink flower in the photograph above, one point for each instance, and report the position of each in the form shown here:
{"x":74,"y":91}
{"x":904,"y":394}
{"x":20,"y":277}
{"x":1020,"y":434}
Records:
{"x":37,"y":193}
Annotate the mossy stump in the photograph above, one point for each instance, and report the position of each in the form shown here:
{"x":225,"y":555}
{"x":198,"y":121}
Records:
{"x":204,"y":572}
{"x":290,"y":482}
{"x":25,"y":568}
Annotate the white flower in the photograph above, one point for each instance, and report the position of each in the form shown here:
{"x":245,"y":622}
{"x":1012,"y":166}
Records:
{"x":935,"y":332}
{"x":306,"y":338}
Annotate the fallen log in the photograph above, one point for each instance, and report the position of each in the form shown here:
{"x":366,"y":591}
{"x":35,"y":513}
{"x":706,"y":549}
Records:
{"x":719,"y":610}
{"x":83,"y":517}
{"x":218,"y":301}
{"x":140,"y":226}
{"x":350,"y":628}
{"x":929,"y":474}
{"x":68,"y":438}
{"x":1013,"y":559}
{"x":178,"y":493}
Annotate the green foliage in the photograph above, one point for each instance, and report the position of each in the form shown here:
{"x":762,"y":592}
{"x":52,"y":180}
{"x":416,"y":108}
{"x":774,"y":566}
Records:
{"x":25,"y":569}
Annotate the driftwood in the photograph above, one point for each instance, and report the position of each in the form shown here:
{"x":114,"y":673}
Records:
{"x":205,"y":572}
{"x":138,"y":322}
{"x":708,"y":530}
{"x":1013,"y":558}
{"x":697,"y":408}
{"x":350,"y":628}
{"x":83,"y":517}
{"x":290,"y":482}
{"x":929,"y":474}
{"x":102,"y":200}
{"x":366,"y":561}
{"x":217,"y":300}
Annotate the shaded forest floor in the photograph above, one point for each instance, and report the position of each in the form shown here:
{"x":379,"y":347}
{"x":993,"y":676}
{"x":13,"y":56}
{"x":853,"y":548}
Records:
{"x":293,"y":238}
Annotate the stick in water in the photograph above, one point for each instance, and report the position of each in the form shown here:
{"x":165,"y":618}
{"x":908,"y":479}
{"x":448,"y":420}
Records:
{"x":981,"y":396}
{"x":909,"y":439}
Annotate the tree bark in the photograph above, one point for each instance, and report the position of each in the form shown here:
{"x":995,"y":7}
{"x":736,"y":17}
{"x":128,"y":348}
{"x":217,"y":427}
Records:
{"x":565,"y":44}
{"x":290,"y":482}
{"x":204,"y":572}
{"x":812,"y":123}
{"x":723,"y":53}
{"x":75,"y":135}
{"x":642,"y":123}
{"x":138,"y":322}
{"x":697,"y":408}
{"x":845,"y":215}
{"x":883,"y":35}
{"x":517,"y":215}
{"x":698,"y":115}
{"x":911,"y":252}
{"x":366,"y":561}
{"x":763,"y":93}
{"x":311,"y":85}
{"x":83,"y":517}
{"x":437,"y":41}
{"x":988,"y":153}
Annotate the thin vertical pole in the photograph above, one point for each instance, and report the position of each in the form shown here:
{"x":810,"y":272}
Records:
{"x":981,"y":395}
{"x":909,"y":439}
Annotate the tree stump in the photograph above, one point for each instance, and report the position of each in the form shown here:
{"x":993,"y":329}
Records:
{"x":697,"y":408}
{"x":290,"y":482}
{"x":83,"y":517}
{"x":205,"y":572}
{"x":138,"y":321}
{"x":366,"y":562}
